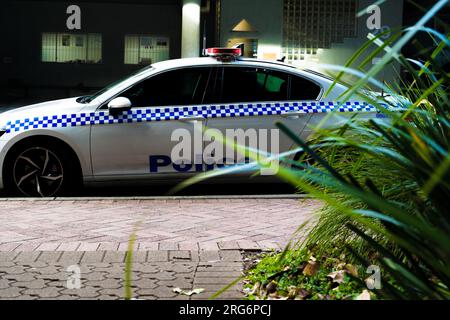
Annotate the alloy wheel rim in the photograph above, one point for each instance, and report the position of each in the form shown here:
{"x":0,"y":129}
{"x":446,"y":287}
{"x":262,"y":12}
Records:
{"x":38,"y":172}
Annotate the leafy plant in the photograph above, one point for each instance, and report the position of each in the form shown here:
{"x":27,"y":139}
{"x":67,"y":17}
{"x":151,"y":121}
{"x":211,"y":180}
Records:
{"x":385,"y":185}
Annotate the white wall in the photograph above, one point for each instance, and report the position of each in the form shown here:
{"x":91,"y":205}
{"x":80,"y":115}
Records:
{"x":266,"y":16}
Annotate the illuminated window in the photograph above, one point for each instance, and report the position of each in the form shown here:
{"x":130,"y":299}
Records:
{"x":71,"y":48}
{"x":316,"y":24}
{"x":146,"y":49}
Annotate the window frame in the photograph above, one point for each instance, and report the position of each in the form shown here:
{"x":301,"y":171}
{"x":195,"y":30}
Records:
{"x":139,"y":46}
{"x":56,"y":33}
{"x":104,"y":105}
{"x":290,"y":74}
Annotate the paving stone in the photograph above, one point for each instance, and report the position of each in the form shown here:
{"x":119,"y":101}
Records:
{"x":145,"y":284}
{"x":87,"y":246}
{"x":208,"y":246}
{"x":230,"y":255}
{"x":213,"y":288}
{"x":94,"y":276}
{"x":214,"y":280}
{"x":114,"y":256}
{"x":48,"y":292}
{"x":71,"y":257}
{"x":146,"y":268}
{"x":105,"y":284}
{"x":49,"y":269}
{"x":138,"y":256}
{"x":54,"y":276}
{"x":168,"y":246}
{"x":220,"y":264}
{"x":146,"y":297}
{"x":217,"y":274}
{"x":108,"y":246}
{"x":92,"y":257}
{"x":7,"y":264}
{"x":188,"y":245}
{"x":117,"y":293}
{"x":157,"y":256}
{"x":7,"y":256}
{"x":160,"y":293}
{"x":177,"y":283}
{"x":21,"y":297}
{"x":228,"y":245}
{"x":209,"y":256}
{"x":51,"y":246}
{"x":163,"y":275}
{"x":179,"y":267}
{"x":106,"y":297}
{"x":5,"y":283}
{"x":83,"y":292}
{"x":248,"y":245}
{"x":69,"y":246}
{"x":57,"y":283}
{"x":35,"y":284}
{"x":11,"y":292}
{"x":50,"y":256}
{"x":219,"y":268}
{"x":25,"y":257}
{"x":12,"y":269}
{"x":179,"y":255}
{"x":65,"y":297}
{"x":31,"y":266}
{"x":149,"y":246}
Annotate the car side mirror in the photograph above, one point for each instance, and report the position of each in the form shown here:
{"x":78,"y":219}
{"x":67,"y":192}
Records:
{"x":118,"y":105}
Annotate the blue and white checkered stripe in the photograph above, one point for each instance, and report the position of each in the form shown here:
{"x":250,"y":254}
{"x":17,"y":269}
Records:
{"x":176,"y":113}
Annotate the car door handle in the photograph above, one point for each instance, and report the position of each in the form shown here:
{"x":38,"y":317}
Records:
{"x":291,"y":116}
{"x":192,"y":119}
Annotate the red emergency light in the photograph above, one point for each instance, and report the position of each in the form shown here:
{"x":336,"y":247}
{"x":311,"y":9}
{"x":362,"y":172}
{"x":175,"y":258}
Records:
{"x":224,"y":52}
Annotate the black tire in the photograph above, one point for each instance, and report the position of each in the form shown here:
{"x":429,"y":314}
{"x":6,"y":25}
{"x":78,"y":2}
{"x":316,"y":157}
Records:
{"x":41,"y":169}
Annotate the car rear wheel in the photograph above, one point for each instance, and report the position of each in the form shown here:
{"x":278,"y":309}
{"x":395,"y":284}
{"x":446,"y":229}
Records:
{"x":41,"y":171}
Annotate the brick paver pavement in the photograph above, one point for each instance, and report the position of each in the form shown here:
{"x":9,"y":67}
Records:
{"x":48,"y":274}
{"x":207,"y":224}
{"x":187,"y":243}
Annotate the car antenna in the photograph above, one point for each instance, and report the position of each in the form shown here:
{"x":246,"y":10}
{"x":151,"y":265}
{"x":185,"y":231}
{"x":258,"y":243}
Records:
{"x":282,"y":59}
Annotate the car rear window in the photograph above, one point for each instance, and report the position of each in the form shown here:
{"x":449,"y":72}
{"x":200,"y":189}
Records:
{"x":253,"y":84}
{"x":303,"y":89}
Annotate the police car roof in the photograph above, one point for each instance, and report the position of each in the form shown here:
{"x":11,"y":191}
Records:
{"x":208,"y":61}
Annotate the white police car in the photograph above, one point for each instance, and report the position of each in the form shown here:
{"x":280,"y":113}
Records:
{"x":123,"y":132}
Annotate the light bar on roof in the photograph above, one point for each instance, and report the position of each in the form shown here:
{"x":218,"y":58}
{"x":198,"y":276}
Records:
{"x":217,"y":52}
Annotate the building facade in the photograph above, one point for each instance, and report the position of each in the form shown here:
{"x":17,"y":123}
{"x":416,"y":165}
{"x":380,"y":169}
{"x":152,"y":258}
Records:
{"x":91,"y":43}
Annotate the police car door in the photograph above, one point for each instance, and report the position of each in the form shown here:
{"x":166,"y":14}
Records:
{"x":139,"y":143}
{"x":249,"y":98}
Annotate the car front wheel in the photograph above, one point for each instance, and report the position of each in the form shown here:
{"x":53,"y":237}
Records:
{"x":41,"y":171}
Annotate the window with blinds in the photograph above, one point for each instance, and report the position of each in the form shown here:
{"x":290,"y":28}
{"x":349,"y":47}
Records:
{"x":310,"y":25}
{"x":140,"y":49}
{"x":71,"y":48}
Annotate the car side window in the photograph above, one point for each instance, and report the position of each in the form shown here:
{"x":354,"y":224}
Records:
{"x":171,"y":88}
{"x":248,"y":84}
{"x":303,"y":89}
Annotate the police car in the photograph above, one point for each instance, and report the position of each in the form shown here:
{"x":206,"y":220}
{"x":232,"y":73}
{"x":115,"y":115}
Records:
{"x":123,"y":132}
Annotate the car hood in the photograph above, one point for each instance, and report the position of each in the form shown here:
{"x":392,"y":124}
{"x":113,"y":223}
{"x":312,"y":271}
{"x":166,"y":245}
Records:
{"x":49,"y":108}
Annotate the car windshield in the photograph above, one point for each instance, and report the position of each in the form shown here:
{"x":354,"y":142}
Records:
{"x":87,"y":99}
